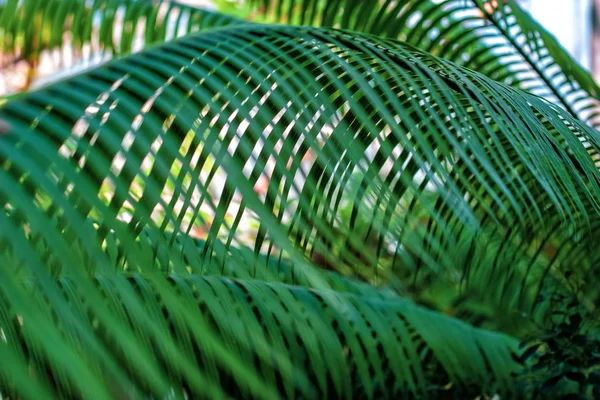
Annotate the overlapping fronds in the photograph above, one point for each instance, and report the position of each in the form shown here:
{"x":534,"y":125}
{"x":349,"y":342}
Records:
{"x":477,"y":171}
{"x":376,"y":160}
{"x":494,"y":37}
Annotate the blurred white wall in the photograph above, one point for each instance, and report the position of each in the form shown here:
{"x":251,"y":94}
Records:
{"x":570,"y":21}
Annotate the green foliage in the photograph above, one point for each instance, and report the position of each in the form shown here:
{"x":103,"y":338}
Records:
{"x":563,"y":361}
{"x":344,"y":344}
{"x":267,"y":211}
{"x":89,"y":31}
{"x":501,"y":41}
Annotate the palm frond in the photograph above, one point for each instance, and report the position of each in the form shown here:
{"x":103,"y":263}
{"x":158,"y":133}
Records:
{"x":467,"y":164}
{"x":274,"y":339}
{"x":439,"y":171}
{"x":495,"y":37}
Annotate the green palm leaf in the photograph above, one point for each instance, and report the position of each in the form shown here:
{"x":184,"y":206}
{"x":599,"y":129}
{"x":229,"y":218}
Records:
{"x":343,"y":344}
{"x":382,"y":161}
{"x":500,"y":41}
{"x":474,"y":192}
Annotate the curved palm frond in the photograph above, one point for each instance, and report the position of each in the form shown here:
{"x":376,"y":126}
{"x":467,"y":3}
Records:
{"x":479,"y":175}
{"x":276,"y":340}
{"x":495,"y":37}
{"x":439,"y":170}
